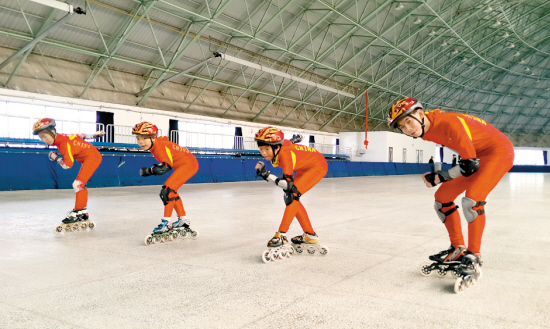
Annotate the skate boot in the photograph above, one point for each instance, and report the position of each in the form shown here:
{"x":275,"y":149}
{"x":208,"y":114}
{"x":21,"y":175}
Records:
{"x":75,"y":221}
{"x":470,"y":271}
{"x":278,"y":248}
{"x":311,"y":242}
{"x":162,"y":233}
{"x":182,"y":228}
{"x":444,"y":262}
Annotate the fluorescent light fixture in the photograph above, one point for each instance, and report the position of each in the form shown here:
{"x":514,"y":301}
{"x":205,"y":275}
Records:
{"x":444,"y":44}
{"x":522,"y":61}
{"x":505,"y":35}
{"x":56,"y":4}
{"x":432,"y":33}
{"x":511,"y":46}
{"x":488,"y":9}
{"x":284,"y":75}
{"x":496,"y":23}
{"x":517,"y":53}
{"x":417,"y":21}
{"x":527,"y":69}
{"x":399,"y":7}
{"x":455,"y":51}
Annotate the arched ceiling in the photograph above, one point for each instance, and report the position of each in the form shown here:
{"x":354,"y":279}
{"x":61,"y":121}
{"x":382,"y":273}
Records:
{"x":490,"y":59}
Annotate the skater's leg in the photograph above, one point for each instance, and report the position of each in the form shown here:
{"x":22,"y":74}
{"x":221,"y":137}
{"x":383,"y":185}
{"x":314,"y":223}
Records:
{"x":89,"y":166}
{"x":483,"y":182}
{"x":303,"y":182}
{"x":444,"y":205}
{"x":174,"y":182}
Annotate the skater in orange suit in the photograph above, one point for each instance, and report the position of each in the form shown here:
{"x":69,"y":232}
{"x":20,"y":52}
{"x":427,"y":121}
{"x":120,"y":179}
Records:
{"x":310,"y":167}
{"x":170,"y":156}
{"x":486,"y":156}
{"x":72,"y":148}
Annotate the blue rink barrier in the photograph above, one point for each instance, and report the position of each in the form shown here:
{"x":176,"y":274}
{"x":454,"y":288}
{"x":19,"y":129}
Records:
{"x":33,"y":170}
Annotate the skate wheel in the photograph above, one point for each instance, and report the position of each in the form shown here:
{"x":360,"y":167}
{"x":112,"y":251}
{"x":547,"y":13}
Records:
{"x":175,"y":235}
{"x":275,"y":255}
{"x":194,"y":235}
{"x":455,"y":273}
{"x":299,"y":248}
{"x":183,"y":234}
{"x":84,"y":226}
{"x":323,"y":250}
{"x":459,"y":285}
{"x":76,"y":227}
{"x":59,"y":229}
{"x":68,"y":228}
{"x":149,"y":240}
{"x":480,"y":273}
{"x":91,"y":225}
{"x":311,"y":249}
{"x":290,"y":252}
{"x":426,"y":269}
{"x":265,"y":256}
{"x":156,"y":239}
{"x":284,"y":253}
{"x":441,"y":272}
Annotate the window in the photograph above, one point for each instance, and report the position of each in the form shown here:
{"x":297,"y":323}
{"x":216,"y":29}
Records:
{"x":404,"y":155}
{"x":390,"y":157}
{"x":529,"y":157}
{"x":192,"y":134}
{"x":17,"y":119}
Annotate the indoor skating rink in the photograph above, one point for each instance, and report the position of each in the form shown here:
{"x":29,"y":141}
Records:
{"x":379,"y":231}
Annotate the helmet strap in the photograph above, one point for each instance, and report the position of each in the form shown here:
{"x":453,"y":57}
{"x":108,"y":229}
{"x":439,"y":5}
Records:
{"x":421,"y":123}
{"x":275,"y":153}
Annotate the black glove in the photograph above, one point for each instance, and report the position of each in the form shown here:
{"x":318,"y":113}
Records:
{"x":431,"y":178}
{"x":262,"y":172}
{"x":145,"y":172}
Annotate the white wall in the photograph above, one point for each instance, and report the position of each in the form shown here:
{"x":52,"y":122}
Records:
{"x":381,"y":141}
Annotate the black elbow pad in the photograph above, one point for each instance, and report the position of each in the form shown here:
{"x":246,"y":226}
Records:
{"x":468,"y":166}
{"x":161,"y":169}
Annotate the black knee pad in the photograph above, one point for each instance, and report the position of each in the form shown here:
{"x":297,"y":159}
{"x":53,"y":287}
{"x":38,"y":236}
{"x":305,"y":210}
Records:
{"x":164,"y":195}
{"x":443,"y":215}
{"x":291,"y":195}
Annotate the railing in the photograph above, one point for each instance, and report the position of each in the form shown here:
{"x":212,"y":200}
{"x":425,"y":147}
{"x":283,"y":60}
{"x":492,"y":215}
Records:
{"x":205,"y":140}
{"x":250,"y":144}
{"x":121,"y":134}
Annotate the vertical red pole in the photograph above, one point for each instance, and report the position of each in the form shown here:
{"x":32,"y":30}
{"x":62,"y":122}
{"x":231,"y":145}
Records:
{"x":366,"y":118}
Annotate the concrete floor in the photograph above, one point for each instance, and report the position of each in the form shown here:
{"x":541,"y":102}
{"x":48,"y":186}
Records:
{"x":379,"y":230}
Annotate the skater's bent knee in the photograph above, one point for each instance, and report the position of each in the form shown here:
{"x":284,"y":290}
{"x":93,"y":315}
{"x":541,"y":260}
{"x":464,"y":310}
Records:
{"x":78,"y":186}
{"x":469,"y":212}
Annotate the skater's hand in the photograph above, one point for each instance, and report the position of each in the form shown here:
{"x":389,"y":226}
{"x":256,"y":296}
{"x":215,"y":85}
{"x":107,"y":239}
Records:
{"x":436,"y":179}
{"x":261,"y":171}
{"x":145,"y":172}
{"x":53,"y":156}
{"x":99,"y":133}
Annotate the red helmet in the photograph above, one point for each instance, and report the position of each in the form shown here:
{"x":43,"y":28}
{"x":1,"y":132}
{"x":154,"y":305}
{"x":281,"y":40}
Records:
{"x":401,"y":109}
{"x":270,"y":136}
{"x":145,"y":129}
{"x":43,"y":124}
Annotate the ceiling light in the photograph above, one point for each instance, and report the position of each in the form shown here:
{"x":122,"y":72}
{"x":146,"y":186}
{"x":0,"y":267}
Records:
{"x":496,"y":23}
{"x":455,"y":51}
{"x":488,"y":9}
{"x":511,"y":46}
{"x":465,"y":59}
{"x":527,"y":69}
{"x":548,"y":88}
{"x":522,"y":61}
{"x":444,"y":44}
{"x":399,"y":6}
{"x":517,"y":53}
{"x":505,"y":35}
{"x":538,"y":80}
{"x":417,"y":21}
{"x":432,"y":33}
{"x":56,"y":4}
{"x":284,"y":75}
